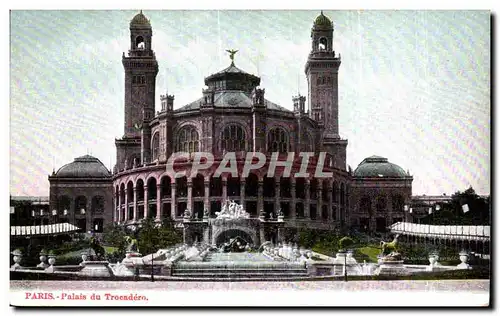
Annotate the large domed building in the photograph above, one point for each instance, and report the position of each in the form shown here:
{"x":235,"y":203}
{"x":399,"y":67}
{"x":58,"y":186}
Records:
{"x":81,"y":194}
{"x":233,"y":115}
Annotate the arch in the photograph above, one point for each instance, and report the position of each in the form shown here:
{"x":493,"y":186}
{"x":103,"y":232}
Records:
{"x":122,"y":194}
{"x":198,"y":188}
{"x":269,"y":186}
{"x":215,"y":186}
{"x":324,"y":212}
{"x":97,"y":204}
{"x":80,"y":204}
{"x":299,"y":209}
{"x":365,"y":205}
{"x":285,"y":187}
{"x":300,"y":188}
{"x":278,"y":140}
{"x":130,"y":191}
{"x":233,"y":186}
{"x":381,"y":203}
{"x":188,"y":139}
{"x":342,"y":194}
{"x":251,"y":185}
{"x":140,"y":43}
{"x":166,"y":187}
{"x":307,"y":142}
{"x":324,"y":193}
{"x":64,"y":204}
{"x":335,"y":192}
{"x":323,"y":43}
{"x":131,"y":158}
{"x":155,"y":146}
{"x":233,"y":138}
{"x":226,"y":234}
{"x":140,"y":189}
{"x":397,"y":203}
{"x":181,"y":187}
{"x":313,"y":189}
{"x":152,"y":188}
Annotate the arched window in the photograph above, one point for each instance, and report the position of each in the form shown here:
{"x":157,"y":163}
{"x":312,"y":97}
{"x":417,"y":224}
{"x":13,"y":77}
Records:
{"x":365,"y":205}
{"x":233,"y":138}
{"x":139,"y":43}
{"x":188,"y":140}
{"x":397,"y":203}
{"x":307,"y":142}
{"x":277,"y":140}
{"x":323,"y":43}
{"x":381,"y":204}
{"x":156,"y":146}
{"x":97,"y":206}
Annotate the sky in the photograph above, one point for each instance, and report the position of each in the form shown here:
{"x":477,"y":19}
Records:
{"x":414,"y":86}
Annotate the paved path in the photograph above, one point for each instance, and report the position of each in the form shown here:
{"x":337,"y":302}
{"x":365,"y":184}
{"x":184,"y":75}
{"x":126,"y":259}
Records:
{"x":448,"y":293}
{"x":441,"y":285}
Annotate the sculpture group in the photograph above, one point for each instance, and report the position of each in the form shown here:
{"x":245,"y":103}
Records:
{"x":232,"y":210}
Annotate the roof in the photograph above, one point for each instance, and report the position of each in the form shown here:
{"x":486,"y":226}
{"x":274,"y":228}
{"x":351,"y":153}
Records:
{"x":84,"y":167}
{"x":232,"y":69}
{"x":231,"y":99}
{"x":323,"y":22}
{"x":53,"y":229}
{"x":140,"y":20}
{"x":443,"y":231}
{"x":376,"y":166}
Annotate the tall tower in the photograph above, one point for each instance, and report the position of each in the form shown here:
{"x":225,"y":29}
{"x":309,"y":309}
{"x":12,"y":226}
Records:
{"x":141,"y":69}
{"x":322,"y":68}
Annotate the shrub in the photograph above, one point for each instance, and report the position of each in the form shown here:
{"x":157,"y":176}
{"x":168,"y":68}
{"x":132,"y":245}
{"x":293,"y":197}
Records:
{"x":345,"y":243}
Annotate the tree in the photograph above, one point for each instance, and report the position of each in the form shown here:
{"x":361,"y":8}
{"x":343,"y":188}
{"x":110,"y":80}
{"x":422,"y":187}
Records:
{"x":152,"y":237}
{"x":114,"y":236}
{"x":452,"y":213}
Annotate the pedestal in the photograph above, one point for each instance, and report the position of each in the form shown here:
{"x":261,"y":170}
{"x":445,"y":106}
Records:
{"x":395,"y":267}
{"x":96,"y":269}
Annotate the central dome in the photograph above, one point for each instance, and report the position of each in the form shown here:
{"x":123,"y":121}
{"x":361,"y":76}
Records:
{"x":84,"y":167}
{"x":378,"y":167}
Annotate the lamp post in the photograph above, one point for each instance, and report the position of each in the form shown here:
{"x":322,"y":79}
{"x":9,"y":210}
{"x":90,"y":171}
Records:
{"x":345,"y":266}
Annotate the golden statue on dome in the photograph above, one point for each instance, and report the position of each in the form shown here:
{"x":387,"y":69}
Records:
{"x":231,"y":52}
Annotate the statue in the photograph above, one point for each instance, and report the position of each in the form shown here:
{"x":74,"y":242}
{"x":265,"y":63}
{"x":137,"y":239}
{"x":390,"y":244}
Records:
{"x":389,"y":248}
{"x":231,"y":52}
{"x":187,"y":213}
{"x":280,"y":213}
{"x":206,"y":213}
{"x":231,"y":210}
{"x":132,"y":244}
{"x":99,"y":251}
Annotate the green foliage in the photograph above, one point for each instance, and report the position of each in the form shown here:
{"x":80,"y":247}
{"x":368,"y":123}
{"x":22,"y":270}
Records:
{"x":114,"y":236}
{"x":345,"y":243}
{"x":152,"y":237}
{"x":367,"y":253}
{"x":452,"y":213}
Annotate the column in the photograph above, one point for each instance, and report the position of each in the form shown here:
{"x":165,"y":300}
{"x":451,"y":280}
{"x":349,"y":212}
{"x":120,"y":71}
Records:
{"x":277,"y":194}
{"x":126,"y":205}
{"x":206,"y":201}
{"x":319,"y":204}
{"x":146,"y":202}
{"x":330,"y":204}
{"x":173,"y":199}
{"x":190,"y":197}
{"x":119,"y":208}
{"x":159,"y":214}
{"x":88,"y":215}
{"x":308,"y":197}
{"x":135,"y":204}
{"x":224,"y":189}
{"x":242,"y":192}
{"x":293,"y":211}
{"x":260,"y":198}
